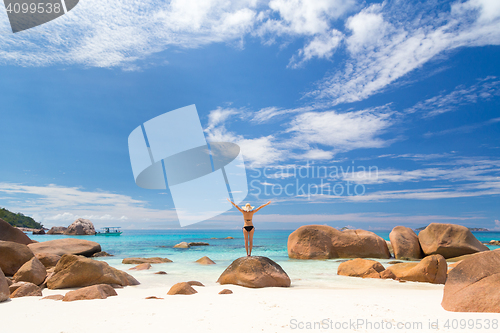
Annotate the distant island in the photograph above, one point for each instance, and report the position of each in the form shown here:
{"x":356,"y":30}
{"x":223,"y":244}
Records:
{"x":19,"y":220}
{"x":471,"y":229}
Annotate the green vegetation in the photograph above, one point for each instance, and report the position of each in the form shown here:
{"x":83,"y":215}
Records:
{"x":19,"y":220}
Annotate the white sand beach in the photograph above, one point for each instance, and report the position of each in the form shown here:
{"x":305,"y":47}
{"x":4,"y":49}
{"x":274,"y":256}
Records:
{"x":357,"y":305}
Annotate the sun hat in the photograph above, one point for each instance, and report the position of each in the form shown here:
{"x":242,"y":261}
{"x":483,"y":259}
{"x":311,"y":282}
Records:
{"x":247,"y":207}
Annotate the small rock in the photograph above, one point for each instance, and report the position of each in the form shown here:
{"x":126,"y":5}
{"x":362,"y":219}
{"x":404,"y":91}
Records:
{"x":141,"y":267}
{"x":101,"y":254}
{"x":181,"y":245}
{"x":32,"y":271}
{"x":394,"y":262}
{"x":431,"y":269}
{"x":137,"y":261}
{"x":225,"y":292}
{"x":153,"y":297}
{"x":13,"y":256}
{"x":14,"y":286}
{"x":57,"y":297}
{"x":4,"y":287}
{"x":161,"y":273}
{"x":80,"y":227}
{"x":56,"y":231}
{"x":98,"y":291}
{"x":361,"y":268}
{"x":205,"y":261}
{"x":195,"y":283}
{"x":494,"y":242}
{"x":39,"y":232}
{"x":198,"y":244}
{"x":182,"y":288}
{"x":48,"y":259}
{"x":27,"y":289}
{"x":229,"y":237}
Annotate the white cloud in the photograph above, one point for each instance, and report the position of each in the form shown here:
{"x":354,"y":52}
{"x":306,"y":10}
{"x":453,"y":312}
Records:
{"x":53,"y":204}
{"x":321,"y":46}
{"x":485,"y":89}
{"x":406,"y":38}
{"x":343,"y":131}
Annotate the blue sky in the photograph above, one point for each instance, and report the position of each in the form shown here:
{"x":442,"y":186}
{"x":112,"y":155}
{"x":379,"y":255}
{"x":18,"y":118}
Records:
{"x":410,"y":90}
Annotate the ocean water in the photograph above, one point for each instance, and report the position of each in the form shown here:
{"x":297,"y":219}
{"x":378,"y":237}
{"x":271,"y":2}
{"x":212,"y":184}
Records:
{"x":269,"y":243}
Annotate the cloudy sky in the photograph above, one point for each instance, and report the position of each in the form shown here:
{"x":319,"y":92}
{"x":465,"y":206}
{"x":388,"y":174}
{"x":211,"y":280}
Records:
{"x":395,"y":106}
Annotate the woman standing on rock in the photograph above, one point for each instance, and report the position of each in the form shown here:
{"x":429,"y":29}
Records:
{"x":248,"y":228}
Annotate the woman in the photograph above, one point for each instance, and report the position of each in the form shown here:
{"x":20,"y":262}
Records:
{"x":248,"y":228}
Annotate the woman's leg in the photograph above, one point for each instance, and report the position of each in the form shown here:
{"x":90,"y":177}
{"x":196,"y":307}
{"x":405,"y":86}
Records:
{"x":250,"y":240}
{"x":245,"y":235}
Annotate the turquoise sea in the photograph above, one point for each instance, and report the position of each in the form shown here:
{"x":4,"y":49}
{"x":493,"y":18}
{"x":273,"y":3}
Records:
{"x":269,"y":243}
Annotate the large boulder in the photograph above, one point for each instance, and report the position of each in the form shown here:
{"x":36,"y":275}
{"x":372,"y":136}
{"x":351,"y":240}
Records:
{"x":472,"y":286}
{"x":100,"y":291}
{"x":4,"y":287}
{"x":13,"y":256}
{"x":80,"y":227}
{"x":27,"y":289}
{"x":32,"y":271}
{"x":255,"y":272}
{"x":181,"y":288}
{"x":66,"y":246}
{"x":10,"y":234}
{"x":361,"y":268}
{"x":325,"y":242}
{"x":449,"y":240}
{"x":56,"y":231}
{"x":76,"y":271}
{"x":431,"y":269}
{"x":48,"y":259}
{"x":153,"y":260}
{"x":182,"y":245}
{"x":405,"y":243}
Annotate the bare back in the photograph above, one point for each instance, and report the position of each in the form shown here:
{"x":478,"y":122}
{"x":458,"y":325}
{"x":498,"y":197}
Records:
{"x":248,"y":216}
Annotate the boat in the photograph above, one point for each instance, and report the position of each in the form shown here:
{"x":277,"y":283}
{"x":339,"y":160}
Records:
{"x":109,"y":231}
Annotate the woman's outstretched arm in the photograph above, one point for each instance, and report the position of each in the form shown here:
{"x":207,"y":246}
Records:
{"x":235,"y":205}
{"x":264,"y":205}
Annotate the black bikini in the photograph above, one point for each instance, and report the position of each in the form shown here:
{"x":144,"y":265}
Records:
{"x":248,"y":228}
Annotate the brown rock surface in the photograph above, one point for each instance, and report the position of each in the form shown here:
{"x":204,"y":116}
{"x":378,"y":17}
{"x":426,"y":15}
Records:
{"x":181,"y":288}
{"x":449,"y":240}
{"x":80,"y":227}
{"x":430,"y":269}
{"x":48,"y":259}
{"x":472,"y":286}
{"x":137,"y":261}
{"x":56,"y":231}
{"x":225,"y":292}
{"x":13,"y":256}
{"x":99,"y":291}
{"x":405,"y":243}
{"x":205,"y":261}
{"x":66,"y":246}
{"x":101,"y":254}
{"x":161,"y":273}
{"x":4,"y":287}
{"x":255,"y":272}
{"x":76,"y":271}
{"x":11,"y":234}
{"x":361,"y":268}
{"x":32,"y":271}
{"x":325,"y":242}
{"x":141,"y":267}
{"x":27,"y":289}
{"x":57,"y":297}
{"x":195,"y":283}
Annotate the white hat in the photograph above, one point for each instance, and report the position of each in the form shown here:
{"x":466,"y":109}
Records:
{"x":247,"y":207}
